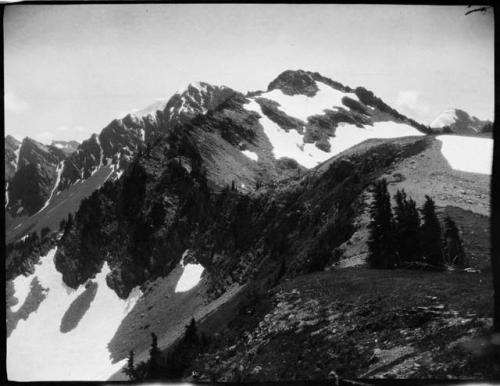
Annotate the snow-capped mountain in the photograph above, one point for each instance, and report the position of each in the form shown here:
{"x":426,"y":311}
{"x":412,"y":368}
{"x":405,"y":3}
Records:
{"x":311,"y":118}
{"x":460,"y":122}
{"x":181,"y":207}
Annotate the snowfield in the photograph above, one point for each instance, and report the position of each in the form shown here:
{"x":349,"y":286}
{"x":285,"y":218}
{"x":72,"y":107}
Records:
{"x":250,"y":154}
{"x":302,"y":106}
{"x":468,"y":154}
{"x":22,"y":285}
{"x":80,"y":354}
{"x":190,"y":277}
{"x":292,"y":144}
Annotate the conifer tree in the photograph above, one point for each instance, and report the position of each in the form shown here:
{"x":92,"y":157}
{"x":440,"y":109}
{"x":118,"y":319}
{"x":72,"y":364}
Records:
{"x":191,"y":335}
{"x":154,"y":358}
{"x":381,"y":241}
{"x":407,"y":223}
{"x":453,"y":251}
{"x":430,"y":235}
{"x":130,"y":370}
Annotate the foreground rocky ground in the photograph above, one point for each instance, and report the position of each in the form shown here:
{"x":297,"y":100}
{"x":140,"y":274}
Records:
{"x":359,"y":323}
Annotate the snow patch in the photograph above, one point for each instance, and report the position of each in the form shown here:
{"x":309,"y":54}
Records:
{"x":80,"y":354}
{"x":468,"y":154}
{"x":17,"y":152}
{"x":348,"y":135}
{"x":291,"y":144}
{"x":133,"y":297}
{"x":22,"y":285}
{"x":101,"y":152}
{"x":250,"y":154}
{"x":284,"y":144}
{"x":303,"y":106}
{"x":191,"y":275}
{"x":59,"y":170}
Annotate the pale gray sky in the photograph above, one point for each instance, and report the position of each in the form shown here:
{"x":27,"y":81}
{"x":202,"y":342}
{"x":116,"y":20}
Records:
{"x":71,"y":69}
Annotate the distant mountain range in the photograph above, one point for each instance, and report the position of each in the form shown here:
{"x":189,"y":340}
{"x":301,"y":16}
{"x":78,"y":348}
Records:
{"x":313,"y":135}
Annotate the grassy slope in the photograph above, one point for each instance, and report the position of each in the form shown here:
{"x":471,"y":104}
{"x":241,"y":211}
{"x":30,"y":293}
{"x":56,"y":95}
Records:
{"x":166,"y":313}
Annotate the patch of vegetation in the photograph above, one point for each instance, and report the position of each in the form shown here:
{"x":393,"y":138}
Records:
{"x":369,"y":99}
{"x":403,"y":240}
{"x":21,"y":256}
{"x":164,"y":208}
{"x":173,"y":363}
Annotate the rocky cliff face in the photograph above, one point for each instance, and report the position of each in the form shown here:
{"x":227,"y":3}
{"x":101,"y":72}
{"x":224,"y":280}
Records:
{"x":36,"y":175}
{"x":12,"y":148}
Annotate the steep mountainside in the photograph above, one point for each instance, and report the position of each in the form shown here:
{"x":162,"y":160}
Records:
{"x":12,"y":148}
{"x":303,"y":119}
{"x":108,"y":154}
{"x":244,"y":211}
{"x":36,"y":176}
{"x":460,"y":122}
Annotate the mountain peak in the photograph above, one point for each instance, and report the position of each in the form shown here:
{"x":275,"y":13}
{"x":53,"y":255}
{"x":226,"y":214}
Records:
{"x":292,"y":82}
{"x":28,"y":141}
{"x":196,"y":98}
{"x":459,"y":121}
{"x":11,"y":141}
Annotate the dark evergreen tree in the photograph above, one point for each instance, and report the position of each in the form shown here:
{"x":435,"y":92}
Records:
{"x":191,"y":335}
{"x":62,"y":224}
{"x":453,"y":250}
{"x":406,"y":225}
{"x":205,"y":340}
{"x":154,"y":358}
{"x":69,"y":224}
{"x":381,"y":244}
{"x":430,"y":235}
{"x":130,"y":370}
{"x":45,"y":231}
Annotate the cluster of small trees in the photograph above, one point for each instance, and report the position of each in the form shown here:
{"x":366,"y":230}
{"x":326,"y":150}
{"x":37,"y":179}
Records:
{"x":407,"y":239}
{"x":176,"y":361}
{"x":22,"y":255}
